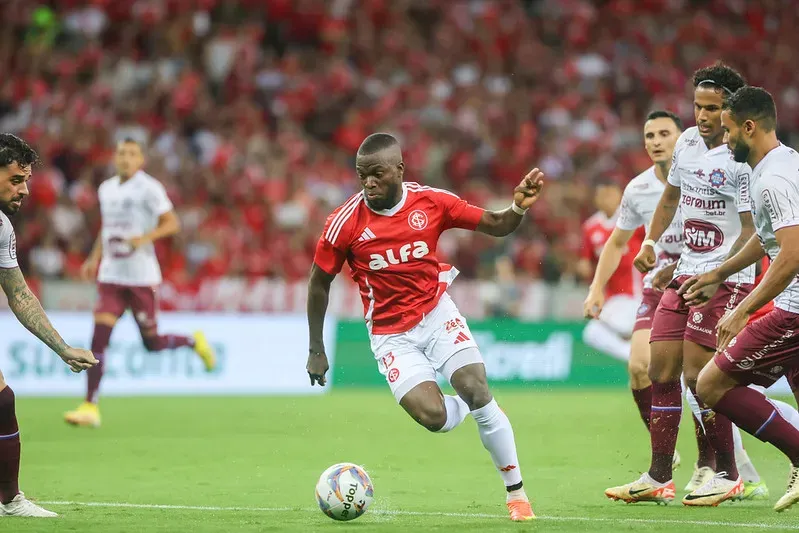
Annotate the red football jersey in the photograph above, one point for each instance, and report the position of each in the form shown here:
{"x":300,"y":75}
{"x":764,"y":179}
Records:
{"x":392,"y":253}
{"x":596,"y":232}
{"x":769,"y":306}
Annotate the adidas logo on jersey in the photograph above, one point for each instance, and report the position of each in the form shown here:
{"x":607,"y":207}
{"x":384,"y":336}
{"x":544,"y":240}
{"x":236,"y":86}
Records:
{"x":416,"y":250}
{"x":366,"y":235}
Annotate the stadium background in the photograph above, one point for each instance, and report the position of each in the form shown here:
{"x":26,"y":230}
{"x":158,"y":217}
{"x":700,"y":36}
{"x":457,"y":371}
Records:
{"x":251,"y":111}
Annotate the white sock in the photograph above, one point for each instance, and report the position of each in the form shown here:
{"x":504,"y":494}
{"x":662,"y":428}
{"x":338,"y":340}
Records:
{"x":601,"y":337}
{"x":788,"y":412}
{"x":497,"y":436}
{"x":457,"y":410}
{"x":694,"y":405}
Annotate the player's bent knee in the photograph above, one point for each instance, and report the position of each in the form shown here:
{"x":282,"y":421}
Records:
{"x":2,"y":381}
{"x":713,"y":384}
{"x":471,"y":384}
{"x":106,"y":319}
{"x":425,"y":404}
{"x":150,"y":344}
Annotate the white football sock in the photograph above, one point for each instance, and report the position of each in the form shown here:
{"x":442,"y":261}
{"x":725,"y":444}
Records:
{"x":457,"y":410}
{"x":788,"y":412}
{"x":601,"y":337}
{"x":497,"y":436}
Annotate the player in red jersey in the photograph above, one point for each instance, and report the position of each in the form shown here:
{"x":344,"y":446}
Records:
{"x":16,"y":160}
{"x":387,"y":234}
{"x":611,"y":331}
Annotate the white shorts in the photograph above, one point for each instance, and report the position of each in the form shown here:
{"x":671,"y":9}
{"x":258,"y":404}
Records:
{"x":436,"y":344}
{"x":620,"y":312}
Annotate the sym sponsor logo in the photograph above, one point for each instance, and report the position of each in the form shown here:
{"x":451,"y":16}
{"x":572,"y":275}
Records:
{"x":702,"y":236}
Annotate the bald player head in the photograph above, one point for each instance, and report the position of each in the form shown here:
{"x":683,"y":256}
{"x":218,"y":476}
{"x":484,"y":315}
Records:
{"x":380,"y":170}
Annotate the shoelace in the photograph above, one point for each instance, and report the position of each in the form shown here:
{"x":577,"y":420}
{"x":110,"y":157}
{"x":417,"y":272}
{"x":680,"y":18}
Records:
{"x":714,"y":481}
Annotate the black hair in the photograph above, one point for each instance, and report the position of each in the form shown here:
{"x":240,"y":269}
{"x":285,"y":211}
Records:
{"x":662,"y":113}
{"x":753,"y":103}
{"x":377,"y":142}
{"x":721,"y":76}
{"x":13,"y":149}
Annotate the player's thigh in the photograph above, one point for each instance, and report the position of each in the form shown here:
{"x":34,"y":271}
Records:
{"x":619,"y":313}
{"x":695,"y":357}
{"x":638,"y":365}
{"x":403,"y":364}
{"x":763,"y":351}
{"x":466,"y":372}
{"x":713,"y":383}
{"x":143,"y":303}
{"x":666,"y":336}
{"x":111,"y":304}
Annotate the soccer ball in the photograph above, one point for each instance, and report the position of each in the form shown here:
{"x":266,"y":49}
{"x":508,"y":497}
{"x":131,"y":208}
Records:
{"x":344,"y":491}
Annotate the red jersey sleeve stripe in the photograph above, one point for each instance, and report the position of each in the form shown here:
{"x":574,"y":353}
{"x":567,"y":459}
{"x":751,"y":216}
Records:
{"x":338,"y":221}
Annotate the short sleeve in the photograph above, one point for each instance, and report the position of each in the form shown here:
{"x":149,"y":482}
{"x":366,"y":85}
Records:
{"x":333,"y":246}
{"x":628,"y":219}
{"x":157,"y":200}
{"x":674,"y":176}
{"x":459,"y":213}
{"x":8,"y":246}
{"x":742,"y":199}
{"x":780,"y":197}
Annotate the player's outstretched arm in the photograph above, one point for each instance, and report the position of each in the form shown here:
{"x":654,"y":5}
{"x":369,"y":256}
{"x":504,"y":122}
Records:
{"x":667,"y":207}
{"x":318,"y":297}
{"x":752,"y":252}
{"x":607,"y":264}
{"x":29,"y":312}
{"x":503,"y":223}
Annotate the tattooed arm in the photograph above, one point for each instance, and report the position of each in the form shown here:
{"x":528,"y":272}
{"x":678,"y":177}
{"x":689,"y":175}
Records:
{"x":29,"y":312}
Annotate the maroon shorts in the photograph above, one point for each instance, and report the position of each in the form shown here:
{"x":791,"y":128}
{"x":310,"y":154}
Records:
{"x":676,"y":321}
{"x":764,"y":351}
{"x":115,"y":299}
{"x":646,"y":311}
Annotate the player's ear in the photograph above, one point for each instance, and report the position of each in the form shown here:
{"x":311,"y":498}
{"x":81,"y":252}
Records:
{"x":401,"y":168}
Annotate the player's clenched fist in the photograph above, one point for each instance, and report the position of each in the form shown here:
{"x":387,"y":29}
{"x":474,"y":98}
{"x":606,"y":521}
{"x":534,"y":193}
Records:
{"x":592,"y":307}
{"x":528,"y":191}
{"x":646,"y":258}
{"x":78,"y":359}
{"x":317,"y":367}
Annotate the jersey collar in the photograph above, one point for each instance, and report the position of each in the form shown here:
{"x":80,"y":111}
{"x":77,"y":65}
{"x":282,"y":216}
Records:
{"x":394,"y":210}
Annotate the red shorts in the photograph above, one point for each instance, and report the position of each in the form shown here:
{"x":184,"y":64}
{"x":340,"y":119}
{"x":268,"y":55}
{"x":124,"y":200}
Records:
{"x":676,"y":321}
{"x":764,"y":351}
{"x":115,"y":299}
{"x":646,"y":311}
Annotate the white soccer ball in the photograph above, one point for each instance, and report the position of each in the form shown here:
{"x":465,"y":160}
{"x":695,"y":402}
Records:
{"x":344,"y":491}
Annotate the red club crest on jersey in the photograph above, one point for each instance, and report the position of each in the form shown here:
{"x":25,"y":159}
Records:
{"x":393,"y":375}
{"x":417,"y":220}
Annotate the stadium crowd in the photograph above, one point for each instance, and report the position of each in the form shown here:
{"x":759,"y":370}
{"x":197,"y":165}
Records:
{"x":252,"y":111}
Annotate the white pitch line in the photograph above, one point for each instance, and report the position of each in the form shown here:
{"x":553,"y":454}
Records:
{"x":123,"y":505}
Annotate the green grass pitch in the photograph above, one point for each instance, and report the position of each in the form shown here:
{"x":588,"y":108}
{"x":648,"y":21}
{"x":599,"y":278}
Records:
{"x":250,"y":464}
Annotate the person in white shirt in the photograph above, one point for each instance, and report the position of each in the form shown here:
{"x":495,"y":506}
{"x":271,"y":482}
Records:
{"x":765,"y":350}
{"x":136,"y":211}
{"x":711,"y":193}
